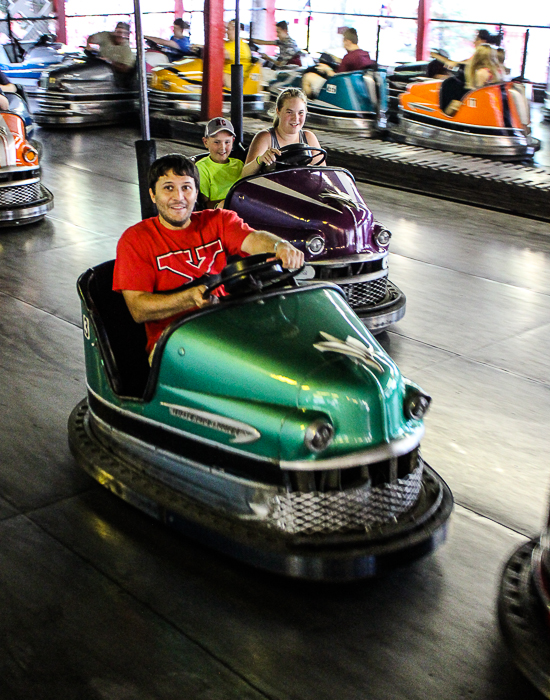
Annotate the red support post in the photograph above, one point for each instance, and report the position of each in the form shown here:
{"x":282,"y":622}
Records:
{"x":61,"y":32}
{"x":178,"y":9}
{"x":422,"y":49}
{"x":212,"y":60}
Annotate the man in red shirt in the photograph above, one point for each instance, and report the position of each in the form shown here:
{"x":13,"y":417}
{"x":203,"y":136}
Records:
{"x":355,"y":59}
{"x":179,"y":246}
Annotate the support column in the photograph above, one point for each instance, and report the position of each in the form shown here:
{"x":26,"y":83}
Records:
{"x":61,"y":30}
{"x":422,"y":48}
{"x":263,"y":20}
{"x":178,"y":9}
{"x":212,"y":60}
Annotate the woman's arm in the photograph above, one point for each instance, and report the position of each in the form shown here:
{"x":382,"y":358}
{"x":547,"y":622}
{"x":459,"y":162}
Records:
{"x":260,"y":153}
{"x":314,"y":141}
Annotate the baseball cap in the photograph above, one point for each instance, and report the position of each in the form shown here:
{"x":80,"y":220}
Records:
{"x":219,"y":124}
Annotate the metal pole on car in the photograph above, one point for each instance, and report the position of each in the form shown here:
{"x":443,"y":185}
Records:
{"x":146,"y":149}
{"x":237,"y":81}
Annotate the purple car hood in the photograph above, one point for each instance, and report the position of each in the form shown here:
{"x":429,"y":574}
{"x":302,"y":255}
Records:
{"x":298,"y":203}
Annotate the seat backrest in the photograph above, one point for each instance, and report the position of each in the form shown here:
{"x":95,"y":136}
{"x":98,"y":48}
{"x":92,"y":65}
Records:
{"x":121,"y":339}
{"x":452,"y":88}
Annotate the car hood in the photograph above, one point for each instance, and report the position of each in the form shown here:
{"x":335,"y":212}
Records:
{"x":276,"y":365}
{"x":297,"y":203}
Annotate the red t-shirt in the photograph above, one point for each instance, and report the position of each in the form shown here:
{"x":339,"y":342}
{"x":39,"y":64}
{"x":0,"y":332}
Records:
{"x":355,"y":60}
{"x":153,"y":258}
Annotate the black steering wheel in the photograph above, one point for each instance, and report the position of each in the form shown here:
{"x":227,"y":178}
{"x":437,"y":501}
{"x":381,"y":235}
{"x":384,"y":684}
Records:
{"x":250,"y":275}
{"x":157,"y":47}
{"x":299,"y":154}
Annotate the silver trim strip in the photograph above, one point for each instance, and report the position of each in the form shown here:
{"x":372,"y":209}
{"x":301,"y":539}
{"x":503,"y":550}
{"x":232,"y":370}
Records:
{"x":19,"y":183}
{"x":359,"y":459}
{"x":387,"y":451}
{"x":241,"y":432}
{"x":177,"y":431}
{"x":344,"y":262}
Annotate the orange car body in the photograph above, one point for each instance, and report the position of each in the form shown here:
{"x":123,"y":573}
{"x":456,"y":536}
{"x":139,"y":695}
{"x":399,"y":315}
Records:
{"x":492,"y":120}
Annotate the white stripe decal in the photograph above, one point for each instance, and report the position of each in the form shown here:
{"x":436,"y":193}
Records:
{"x":276,"y":187}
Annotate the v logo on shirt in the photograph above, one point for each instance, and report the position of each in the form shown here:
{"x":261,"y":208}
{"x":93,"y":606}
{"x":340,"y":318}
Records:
{"x":197,"y":261}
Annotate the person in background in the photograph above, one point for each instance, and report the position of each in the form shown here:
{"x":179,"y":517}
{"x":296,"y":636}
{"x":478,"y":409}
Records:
{"x":355,"y":59}
{"x":229,"y":47}
{"x":482,"y":37}
{"x":114,"y":47}
{"x":483,"y":68}
{"x":179,"y":41}
{"x":288,"y":48}
{"x":501,"y":57}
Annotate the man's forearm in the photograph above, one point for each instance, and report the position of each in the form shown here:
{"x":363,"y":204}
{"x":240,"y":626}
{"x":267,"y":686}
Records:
{"x":151,"y":306}
{"x":259,"y":242}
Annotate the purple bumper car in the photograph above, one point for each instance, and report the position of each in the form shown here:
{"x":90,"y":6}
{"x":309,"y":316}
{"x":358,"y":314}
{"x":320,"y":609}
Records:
{"x":320,"y":211}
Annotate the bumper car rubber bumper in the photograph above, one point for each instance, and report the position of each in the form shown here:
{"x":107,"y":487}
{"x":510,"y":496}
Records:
{"x":522,"y":618}
{"x":27,"y":212}
{"x":386,"y":313}
{"x":331,"y":557}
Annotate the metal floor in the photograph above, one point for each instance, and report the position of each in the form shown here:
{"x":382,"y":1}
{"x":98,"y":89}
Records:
{"x":99,"y":602}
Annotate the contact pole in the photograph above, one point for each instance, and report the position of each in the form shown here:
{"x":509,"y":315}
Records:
{"x":237,"y":81}
{"x":146,"y":149}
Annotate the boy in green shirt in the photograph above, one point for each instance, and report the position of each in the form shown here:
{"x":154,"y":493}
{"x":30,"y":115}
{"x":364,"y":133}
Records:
{"x":218,"y":172}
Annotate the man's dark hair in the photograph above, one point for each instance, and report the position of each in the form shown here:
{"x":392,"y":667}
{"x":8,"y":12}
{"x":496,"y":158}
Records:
{"x":282,"y":25}
{"x":241,"y":26}
{"x":487,"y":38}
{"x":123,"y":25}
{"x":179,"y":22}
{"x":180,"y":165}
{"x":351,"y":35}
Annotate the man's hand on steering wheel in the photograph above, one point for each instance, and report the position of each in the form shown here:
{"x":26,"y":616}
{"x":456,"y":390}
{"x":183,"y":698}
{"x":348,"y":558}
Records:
{"x":291,"y":257}
{"x":197,"y":297}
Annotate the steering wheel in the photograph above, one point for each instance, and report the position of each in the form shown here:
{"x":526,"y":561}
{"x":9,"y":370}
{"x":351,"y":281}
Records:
{"x":250,"y":275}
{"x":153,"y":45}
{"x":299,"y":154}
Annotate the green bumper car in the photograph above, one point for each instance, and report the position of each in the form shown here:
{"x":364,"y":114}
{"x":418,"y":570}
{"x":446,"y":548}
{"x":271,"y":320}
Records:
{"x":271,"y":426}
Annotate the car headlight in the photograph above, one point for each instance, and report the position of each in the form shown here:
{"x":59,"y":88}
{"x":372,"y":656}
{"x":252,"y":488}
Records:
{"x":315,"y":244}
{"x":318,"y":435}
{"x":382,"y":237}
{"x":30,"y":155}
{"x":416,"y":404}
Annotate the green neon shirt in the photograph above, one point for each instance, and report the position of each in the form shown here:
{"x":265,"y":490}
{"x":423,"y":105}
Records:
{"x":216,"y":178}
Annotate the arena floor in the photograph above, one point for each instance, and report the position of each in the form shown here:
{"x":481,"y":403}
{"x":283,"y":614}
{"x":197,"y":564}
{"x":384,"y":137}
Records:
{"x":98,"y":601}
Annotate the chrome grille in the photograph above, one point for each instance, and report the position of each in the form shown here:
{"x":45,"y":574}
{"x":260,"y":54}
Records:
{"x":20,"y":194}
{"x":365,"y":293}
{"x":352,"y":510}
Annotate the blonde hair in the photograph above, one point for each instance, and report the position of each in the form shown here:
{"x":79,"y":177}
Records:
{"x":484,"y":57}
{"x":288,"y":94}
